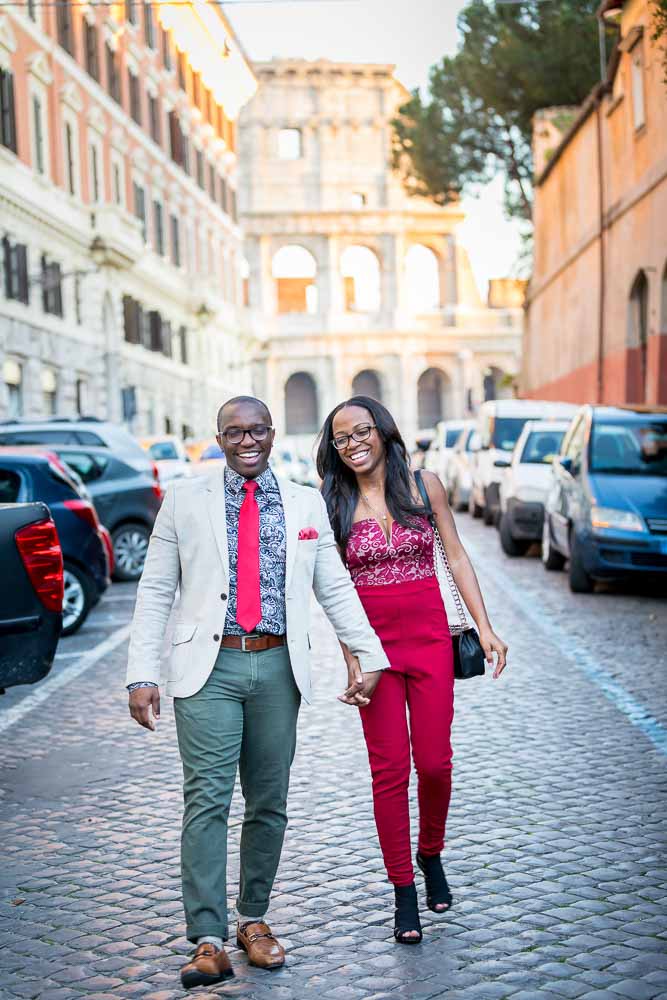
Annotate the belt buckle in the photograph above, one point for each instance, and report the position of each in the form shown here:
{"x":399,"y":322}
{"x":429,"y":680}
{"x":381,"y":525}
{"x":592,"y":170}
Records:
{"x":243,"y":642}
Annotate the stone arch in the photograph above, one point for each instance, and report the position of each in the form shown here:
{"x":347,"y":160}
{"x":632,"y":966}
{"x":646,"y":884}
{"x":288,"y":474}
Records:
{"x":301,"y":404}
{"x":294,"y":271}
{"x":367,"y":383}
{"x":637,"y":352}
{"x":433,"y":389}
{"x":360,"y":271}
{"x":422,"y":279}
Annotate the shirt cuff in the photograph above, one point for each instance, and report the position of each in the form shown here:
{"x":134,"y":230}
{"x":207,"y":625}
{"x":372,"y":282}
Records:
{"x":141,"y":684}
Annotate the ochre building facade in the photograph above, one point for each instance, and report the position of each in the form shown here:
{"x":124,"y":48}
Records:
{"x":354,"y":286}
{"x":597,"y":302}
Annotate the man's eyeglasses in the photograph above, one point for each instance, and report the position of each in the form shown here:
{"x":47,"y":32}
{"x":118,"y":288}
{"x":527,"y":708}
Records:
{"x":362,"y":433}
{"x":234,"y":435}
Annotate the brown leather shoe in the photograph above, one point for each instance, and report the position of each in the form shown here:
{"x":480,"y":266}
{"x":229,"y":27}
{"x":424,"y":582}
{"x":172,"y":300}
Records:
{"x":262,"y":948}
{"x":210,"y":965}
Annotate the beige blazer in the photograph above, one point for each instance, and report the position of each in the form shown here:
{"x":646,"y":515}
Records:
{"x":188,"y":547}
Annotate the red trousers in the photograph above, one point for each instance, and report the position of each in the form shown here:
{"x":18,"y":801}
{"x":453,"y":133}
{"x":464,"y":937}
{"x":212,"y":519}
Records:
{"x":411,"y":623}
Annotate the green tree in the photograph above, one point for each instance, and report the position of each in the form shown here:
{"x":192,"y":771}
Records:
{"x":659,"y":11}
{"x":476,"y":120}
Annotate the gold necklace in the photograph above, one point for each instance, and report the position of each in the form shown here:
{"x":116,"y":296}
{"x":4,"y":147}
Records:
{"x":376,"y":514}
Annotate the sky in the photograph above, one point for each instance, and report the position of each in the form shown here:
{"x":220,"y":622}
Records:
{"x":413,"y":35}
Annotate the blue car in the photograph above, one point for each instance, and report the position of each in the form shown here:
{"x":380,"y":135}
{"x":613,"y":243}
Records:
{"x":606,"y":511}
{"x":26,"y":478}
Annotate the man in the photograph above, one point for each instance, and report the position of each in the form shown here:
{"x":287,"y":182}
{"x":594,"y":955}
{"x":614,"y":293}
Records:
{"x":246,"y":548}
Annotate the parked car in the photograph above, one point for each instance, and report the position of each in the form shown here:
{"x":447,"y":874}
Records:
{"x":34,"y":477}
{"x":525,"y":484}
{"x":606,"y":510}
{"x":447,"y":433}
{"x":458,"y":470}
{"x":500,"y":422}
{"x":78,"y":430}
{"x":31,"y":608}
{"x":169,"y":454}
{"x":126,"y":500}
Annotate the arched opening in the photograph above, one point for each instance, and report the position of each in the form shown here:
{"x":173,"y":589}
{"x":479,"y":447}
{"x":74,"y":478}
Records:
{"x":367,"y":383}
{"x":431,"y":398}
{"x":637,"y":354}
{"x":422,"y":279}
{"x":295,"y":271}
{"x":301,"y":409}
{"x":360,"y":270}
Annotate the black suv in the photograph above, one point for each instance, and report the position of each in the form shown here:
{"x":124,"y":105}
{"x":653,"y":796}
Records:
{"x":121,"y":479}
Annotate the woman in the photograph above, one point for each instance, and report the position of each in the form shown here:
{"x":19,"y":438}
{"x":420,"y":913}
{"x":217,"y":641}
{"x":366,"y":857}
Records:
{"x":387,"y":542}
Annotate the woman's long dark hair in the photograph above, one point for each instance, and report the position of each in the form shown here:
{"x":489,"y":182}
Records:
{"x":339,"y":483}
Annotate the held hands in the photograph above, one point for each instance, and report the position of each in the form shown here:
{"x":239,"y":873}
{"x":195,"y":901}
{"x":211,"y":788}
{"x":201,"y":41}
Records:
{"x":145,"y":706}
{"x":360,"y":685}
{"x":491,"y":644}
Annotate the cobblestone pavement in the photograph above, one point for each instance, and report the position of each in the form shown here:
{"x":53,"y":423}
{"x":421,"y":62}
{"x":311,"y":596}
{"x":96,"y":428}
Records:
{"x":554,"y":851}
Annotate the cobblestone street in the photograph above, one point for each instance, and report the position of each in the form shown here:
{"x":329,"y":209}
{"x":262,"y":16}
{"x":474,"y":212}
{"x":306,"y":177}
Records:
{"x":556,"y":848}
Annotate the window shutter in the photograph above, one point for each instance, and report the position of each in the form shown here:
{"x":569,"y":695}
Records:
{"x":22,"y":272}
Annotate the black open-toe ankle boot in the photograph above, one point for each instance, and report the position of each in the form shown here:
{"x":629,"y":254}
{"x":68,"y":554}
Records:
{"x":437,"y":890}
{"x":406,"y":917}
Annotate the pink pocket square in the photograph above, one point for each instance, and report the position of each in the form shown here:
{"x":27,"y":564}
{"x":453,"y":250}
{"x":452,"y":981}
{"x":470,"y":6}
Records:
{"x":307,"y":533}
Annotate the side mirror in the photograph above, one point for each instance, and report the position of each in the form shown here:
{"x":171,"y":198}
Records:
{"x":502,"y":463}
{"x":565,"y":464}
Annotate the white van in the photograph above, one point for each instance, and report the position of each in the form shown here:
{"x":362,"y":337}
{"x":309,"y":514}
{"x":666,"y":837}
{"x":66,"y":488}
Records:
{"x":499,"y":423}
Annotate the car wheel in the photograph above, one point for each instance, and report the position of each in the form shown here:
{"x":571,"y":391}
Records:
{"x":474,"y":509}
{"x":580,"y":581}
{"x":511,"y":546}
{"x":552,"y":559}
{"x":130,"y":544}
{"x":456,"y":502}
{"x":77,"y":598}
{"x":488,"y":516}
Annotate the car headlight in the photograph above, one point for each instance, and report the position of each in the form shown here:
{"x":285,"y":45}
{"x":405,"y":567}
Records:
{"x":609,"y":517}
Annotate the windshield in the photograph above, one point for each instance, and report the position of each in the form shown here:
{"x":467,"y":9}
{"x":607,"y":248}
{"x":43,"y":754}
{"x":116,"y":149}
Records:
{"x":163,"y":451}
{"x":506,"y":432}
{"x":541,"y":446}
{"x":451,"y":437}
{"x":630,"y":448}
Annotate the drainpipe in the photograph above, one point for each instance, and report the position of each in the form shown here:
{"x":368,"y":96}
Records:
{"x":602,"y":255}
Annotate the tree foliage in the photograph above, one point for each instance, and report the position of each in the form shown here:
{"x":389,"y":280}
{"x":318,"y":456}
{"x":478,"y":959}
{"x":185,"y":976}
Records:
{"x":476,"y":120}
{"x":659,"y":11}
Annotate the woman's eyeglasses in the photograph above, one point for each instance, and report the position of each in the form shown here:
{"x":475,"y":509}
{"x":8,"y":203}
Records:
{"x":234,"y":435}
{"x":341,"y":441}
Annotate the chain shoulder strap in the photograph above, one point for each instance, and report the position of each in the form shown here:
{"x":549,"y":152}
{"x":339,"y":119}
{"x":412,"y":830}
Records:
{"x":440,"y":550}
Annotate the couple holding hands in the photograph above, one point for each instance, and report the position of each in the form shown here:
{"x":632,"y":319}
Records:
{"x":246,"y":548}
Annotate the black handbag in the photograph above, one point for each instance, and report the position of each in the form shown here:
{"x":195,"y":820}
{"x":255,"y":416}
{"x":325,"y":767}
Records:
{"x":469,"y":658}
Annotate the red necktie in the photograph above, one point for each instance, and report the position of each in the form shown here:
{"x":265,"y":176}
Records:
{"x":248,"y":600}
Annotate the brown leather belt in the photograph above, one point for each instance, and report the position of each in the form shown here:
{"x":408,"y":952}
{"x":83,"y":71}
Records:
{"x":252,"y":643}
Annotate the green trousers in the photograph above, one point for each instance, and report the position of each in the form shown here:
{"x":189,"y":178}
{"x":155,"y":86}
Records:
{"x":244,"y":716}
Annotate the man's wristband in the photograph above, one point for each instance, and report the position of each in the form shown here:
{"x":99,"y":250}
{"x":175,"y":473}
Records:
{"x":141,"y":684}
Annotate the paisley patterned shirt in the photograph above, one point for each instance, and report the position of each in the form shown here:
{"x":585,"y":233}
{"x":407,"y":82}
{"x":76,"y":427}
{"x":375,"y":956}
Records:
{"x":373,"y":561}
{"x":272,"y":551}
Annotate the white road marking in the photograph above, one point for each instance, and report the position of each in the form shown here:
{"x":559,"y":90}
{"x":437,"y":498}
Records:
{"x":634,"y":711}
{"x":87,"y":660}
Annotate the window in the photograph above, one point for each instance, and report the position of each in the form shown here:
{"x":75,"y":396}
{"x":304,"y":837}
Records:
{"x":224,"y":198}
{"x":117,"y":180}
{"x":200,"y":168}
{"x":64,"y":26}
{"x":183,"y":344}
{"x":301,"y":409}
{"x":94,"y":172}
{"x":154,"y":118}
{"x":132,"y":320}
{"x":15,"y":266}
{"x":140,"y":208}
{"x":178,"y":142}
{"x":49,"y":383}
{"x":232,"y":204}
{"x":175,"y":241}
{"x":289,"y":144}
{"x":70,"y":167}
{"x":92,"y":50}
{"x":7,"y":110}
{"x":149,"y":25}
{"x":12,"y":373}
{"x":52,"y":293}
{"x":32,"y":12}
{"x":158,"y":227}
{"x":78,"y":314}
{"x":182,"y":69}
{"x":637,"y":75}
{"x":167,"y":59}
{"x":637,"y":355}
{"x":166,"y":338}
{"x":131,"y":11}
{"x":135,"y":96}
{"x":211,"y":181}
{"x":38,"y":135}
{"x":113,"y":76}
{"x":358,"y":199}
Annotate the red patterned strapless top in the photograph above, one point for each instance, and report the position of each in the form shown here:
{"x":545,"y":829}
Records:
{"x":374,"y":562}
